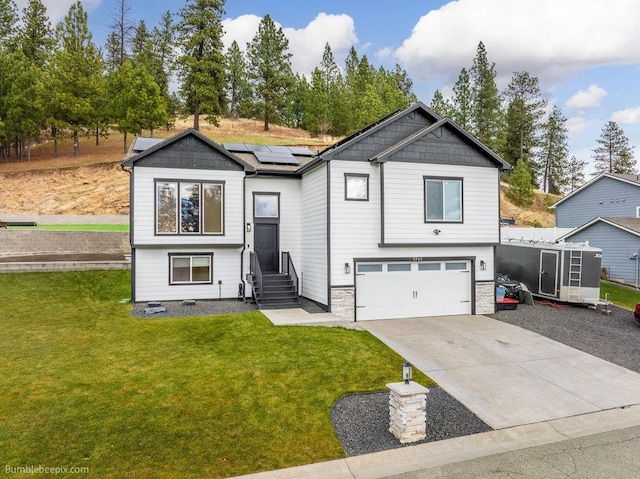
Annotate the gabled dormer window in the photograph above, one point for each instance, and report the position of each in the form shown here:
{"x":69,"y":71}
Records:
{"x":356,"y":187}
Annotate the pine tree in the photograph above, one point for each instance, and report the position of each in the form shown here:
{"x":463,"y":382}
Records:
{"x":270,"y":70}
{"x":521,"y":191}
{"x":554,"y":149}
{"x":201,"y":64}
{"x":524,"y":113}
{"x":8,"y":21}
{"x":122,"y":30}
{"x":614,"y":155}
{"x":35,"y":35}
{"x":486,"y":112}
{"x":463,"y":100}
{"x":441,"y":105}
{"x":237,"y":83}
{"x":76,"y":76}
{"x":576,"y":174}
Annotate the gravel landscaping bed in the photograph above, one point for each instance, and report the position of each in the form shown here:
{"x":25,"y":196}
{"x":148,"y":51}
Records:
{"x":614,"y":337}
{"x":361,"y":421}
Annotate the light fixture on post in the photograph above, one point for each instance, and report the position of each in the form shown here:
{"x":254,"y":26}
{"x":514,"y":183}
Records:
{"x":248,"y":227}
{"x":483,"y":265}
{"x":406,"y":372}
{"x":347,"y":268}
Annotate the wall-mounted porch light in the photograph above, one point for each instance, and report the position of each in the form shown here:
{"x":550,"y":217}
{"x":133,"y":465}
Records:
{"x":483,"y":265}
{"x":347,"y":268}
{"x":248,"y":227}
{"x":406,"y":372}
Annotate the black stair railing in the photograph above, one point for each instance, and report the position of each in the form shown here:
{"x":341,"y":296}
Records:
{"x":256,"y":273}
{"x":289,"y":269}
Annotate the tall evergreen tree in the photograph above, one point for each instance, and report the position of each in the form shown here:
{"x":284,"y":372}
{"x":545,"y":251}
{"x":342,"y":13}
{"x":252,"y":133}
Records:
{"x":524,"y":113}
{"x":521,"y":191}
{"x":554,"y":149}
{"x":8,"y":21}
{"x":486,"y":114}
{"x":35,"y":35}
{"x":441,"y":105}
{"x":237,"y":82}
{"x":614,"y":154}
{"x":576,"y":174}
{"x":463,"y":101}
{"x":76,"y":75}
{"x":136,"y":101}
{"x":122,"y":29}
{"x":201,"y":64}
{"x":270,"y":70}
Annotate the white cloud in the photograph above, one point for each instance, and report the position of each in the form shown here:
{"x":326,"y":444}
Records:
{"x":57,"y":9}
{"x":576,"y":125}
{"x":627,"y":116}
{"x":305,"y":44}
{"x":550,"y":39}
{"x":589,"y":98}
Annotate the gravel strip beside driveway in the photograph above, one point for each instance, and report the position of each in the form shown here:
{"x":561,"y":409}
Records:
{"x":614,"y":338}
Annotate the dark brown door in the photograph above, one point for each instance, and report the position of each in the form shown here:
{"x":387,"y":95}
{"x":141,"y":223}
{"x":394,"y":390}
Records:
{"x":266,"y":246}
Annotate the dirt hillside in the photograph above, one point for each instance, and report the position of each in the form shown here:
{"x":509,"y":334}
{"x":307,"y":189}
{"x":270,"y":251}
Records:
{"x":94,"y":184}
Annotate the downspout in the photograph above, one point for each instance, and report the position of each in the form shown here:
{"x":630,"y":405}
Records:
{"x":133,"y":250}
{"x":244,"y":234}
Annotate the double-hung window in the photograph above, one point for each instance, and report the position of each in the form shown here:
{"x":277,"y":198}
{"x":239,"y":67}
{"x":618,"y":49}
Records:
{"x":190,"y":269}
{"x":443,"y":200}
{"x":189,"y":207}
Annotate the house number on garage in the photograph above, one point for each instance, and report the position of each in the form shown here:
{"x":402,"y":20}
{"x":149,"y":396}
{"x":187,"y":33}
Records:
{"x":417,"y":258}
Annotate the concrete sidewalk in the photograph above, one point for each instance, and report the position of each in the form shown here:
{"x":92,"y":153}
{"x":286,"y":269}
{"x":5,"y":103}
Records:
{"x":423,"y":459}
{"x":532,"y":390}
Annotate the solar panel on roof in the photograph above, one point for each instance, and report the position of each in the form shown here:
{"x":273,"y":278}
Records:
{"x":254,"y":148}
{"x":237,"y":147}
{"x":141,"y":143}
{"x":280,"y":149}
{"x":279,"y":158}
{"x":298,"y":150}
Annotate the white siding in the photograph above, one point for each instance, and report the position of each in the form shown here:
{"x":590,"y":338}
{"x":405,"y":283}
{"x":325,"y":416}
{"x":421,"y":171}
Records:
{"x":355,"y":225}
{"x":152,"y":276}
{"x":404,"y":204}
{"x":144,"y":206}
{"x":289,"y":228}
{"x":313,"y":223}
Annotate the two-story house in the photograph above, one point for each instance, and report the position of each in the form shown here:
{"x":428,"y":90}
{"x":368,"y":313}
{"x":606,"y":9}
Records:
{"x":399,"y":219}
{"x":606,"y":213}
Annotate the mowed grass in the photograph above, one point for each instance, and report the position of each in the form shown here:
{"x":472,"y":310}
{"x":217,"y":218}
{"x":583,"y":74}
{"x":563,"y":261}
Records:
{"x":85,"y":384}
{"x":623,"y":296}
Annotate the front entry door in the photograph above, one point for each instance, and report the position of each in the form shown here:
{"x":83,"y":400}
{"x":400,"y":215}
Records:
{"x":548,"y":272}
{"x":266,"y":246}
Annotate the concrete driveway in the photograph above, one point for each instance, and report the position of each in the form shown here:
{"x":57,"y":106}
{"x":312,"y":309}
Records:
{"x":504,"y":374}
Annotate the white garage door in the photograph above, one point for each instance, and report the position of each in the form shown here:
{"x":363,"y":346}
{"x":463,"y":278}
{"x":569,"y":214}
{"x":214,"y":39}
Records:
{"x":408,"y":289}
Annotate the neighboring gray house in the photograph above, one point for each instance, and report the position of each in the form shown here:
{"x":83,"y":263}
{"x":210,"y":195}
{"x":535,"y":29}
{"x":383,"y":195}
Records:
{"x":619,"y":239}
{"x":608,"y":194}
{"x":606,"y":213}
{"x":400,"y":219}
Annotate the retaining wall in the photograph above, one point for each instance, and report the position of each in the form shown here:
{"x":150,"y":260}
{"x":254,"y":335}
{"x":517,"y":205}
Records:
{"x":14,"y":242}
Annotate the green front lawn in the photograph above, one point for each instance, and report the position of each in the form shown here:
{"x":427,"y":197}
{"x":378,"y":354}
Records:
{"x":83,"y":383}
{"x":622,"y":296}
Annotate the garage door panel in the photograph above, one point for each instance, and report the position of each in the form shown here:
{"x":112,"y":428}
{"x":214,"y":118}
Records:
{"x":428,"y":289}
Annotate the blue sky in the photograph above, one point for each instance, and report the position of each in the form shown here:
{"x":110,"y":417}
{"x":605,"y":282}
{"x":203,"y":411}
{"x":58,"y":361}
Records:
{"x":586,"y":53}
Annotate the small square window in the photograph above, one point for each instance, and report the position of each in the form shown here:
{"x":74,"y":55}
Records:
{"x":266,"y":205}
{"x":443,"y":200}
{"x":356,"y":187}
